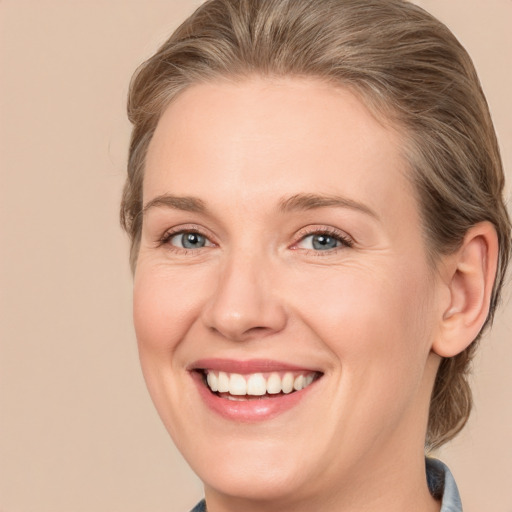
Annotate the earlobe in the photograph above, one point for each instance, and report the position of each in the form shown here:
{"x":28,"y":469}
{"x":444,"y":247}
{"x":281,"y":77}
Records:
{"x":470,"y":278}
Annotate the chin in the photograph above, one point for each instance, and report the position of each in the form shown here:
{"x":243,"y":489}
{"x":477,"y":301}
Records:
{"x":261,"y":483}
{"x":256,"y":472}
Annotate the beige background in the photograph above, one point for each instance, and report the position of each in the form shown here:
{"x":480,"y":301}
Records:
{"x":77,"y":429}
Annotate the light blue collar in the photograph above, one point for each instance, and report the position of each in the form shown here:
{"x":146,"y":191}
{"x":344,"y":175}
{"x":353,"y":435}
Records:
{"x":442,"y":485}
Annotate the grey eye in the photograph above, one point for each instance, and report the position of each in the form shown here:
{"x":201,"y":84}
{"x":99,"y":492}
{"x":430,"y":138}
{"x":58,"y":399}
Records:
{"x":319,"y":242}
{"x":189,"y":240}
{"x":324,"y":242}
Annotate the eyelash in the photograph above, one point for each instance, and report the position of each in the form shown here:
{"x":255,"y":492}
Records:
{"x":345,"y":241}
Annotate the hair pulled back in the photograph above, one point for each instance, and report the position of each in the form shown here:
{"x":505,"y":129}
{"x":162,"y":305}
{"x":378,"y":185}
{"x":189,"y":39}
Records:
{"x":409,"y":70}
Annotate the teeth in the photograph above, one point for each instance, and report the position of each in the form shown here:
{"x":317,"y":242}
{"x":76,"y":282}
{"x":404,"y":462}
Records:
{"x":257,"y":384}
{"x":287,"y":384}
{"x":213,"y":382}
{"x":237,"y":385}
{"x":223,"y":383}
{"x":274,"y":384}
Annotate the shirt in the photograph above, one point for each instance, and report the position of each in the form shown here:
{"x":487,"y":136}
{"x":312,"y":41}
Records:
{"x":440,"y":483}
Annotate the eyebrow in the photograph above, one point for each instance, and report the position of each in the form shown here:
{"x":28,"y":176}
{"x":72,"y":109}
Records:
{"x":294,"y":203}
{"x":312,"y":201}
{"x":187,"y":204}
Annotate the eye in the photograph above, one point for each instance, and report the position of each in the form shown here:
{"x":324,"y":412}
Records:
{"x":188,"y":240}
{"x":323,"y":241}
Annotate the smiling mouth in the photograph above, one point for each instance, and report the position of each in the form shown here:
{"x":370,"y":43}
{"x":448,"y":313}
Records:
{"x":256,"y":386}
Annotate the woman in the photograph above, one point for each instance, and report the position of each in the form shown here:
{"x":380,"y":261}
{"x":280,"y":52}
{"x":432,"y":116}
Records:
{"x":314,"y":198}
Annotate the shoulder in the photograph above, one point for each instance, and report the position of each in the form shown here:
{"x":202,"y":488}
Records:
{"x":200,"y":507}
{"x":442,"y":485}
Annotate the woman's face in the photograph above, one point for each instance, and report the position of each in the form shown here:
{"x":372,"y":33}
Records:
{"x":282,"y":247}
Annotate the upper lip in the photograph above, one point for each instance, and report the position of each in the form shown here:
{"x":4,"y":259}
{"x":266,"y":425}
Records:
{"x":245,"y":366}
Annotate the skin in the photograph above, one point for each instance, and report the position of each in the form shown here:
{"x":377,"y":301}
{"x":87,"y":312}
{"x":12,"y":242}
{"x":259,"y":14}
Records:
{"x":366,"y":313}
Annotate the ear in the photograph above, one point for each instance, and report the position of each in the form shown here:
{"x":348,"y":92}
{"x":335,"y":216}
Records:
{"x":469,"y":276}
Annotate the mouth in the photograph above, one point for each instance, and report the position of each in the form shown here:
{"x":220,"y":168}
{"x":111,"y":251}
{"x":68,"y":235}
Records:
{"x":256,"y":386}
{"x":248,"y":391}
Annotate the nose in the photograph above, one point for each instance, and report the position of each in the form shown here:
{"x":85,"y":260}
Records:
{"x":244,"y":304}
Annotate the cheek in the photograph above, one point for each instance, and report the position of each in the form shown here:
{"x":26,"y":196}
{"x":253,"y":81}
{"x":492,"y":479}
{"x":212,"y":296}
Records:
{"x":378,"y":333}
{"x":369,"y":316}
{"x":165,"y":304}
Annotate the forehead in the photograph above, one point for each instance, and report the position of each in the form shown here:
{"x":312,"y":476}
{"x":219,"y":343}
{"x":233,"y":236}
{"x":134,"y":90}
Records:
{"x":261,"y":140}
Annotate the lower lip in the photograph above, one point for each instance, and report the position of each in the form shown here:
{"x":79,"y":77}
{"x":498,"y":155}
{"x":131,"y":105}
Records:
{"x":248,"y":411}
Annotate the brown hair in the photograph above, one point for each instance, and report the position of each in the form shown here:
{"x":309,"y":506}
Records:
{"x":408,"y":68}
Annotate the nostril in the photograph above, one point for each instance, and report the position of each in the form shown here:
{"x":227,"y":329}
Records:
{"x":241,"y":334}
